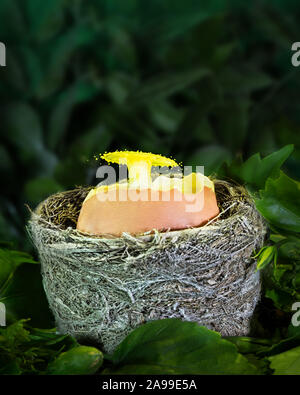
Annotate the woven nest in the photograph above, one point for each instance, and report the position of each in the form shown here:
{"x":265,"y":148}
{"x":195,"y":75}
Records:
{"x":100,"y":288}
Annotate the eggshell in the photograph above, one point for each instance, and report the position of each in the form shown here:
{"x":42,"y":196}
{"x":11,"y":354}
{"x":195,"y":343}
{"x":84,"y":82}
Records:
{"x":113,"y":213}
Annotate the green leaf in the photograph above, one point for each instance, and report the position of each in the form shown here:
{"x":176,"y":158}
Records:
{"x":171,"y":346}
{"x":14,"y":76}
{"x":24,"y":350}
{"x":282,"y":299}
{"x":287,"y":363}
{"x":90,"y":143}
{"x":211,"y":157}
{"x":38,"y":189}
{"x":164,"y":86}
{"x":196,"y":130}
{"x":24,"y":132}
{"x":122,"y":51}
{"x":31,"y":64}
{"x":290,"y":249}
{"x":23,"y":128}
{"x":276,"y":238}
{"x":279,"y":203}
{"x":233,"y":123}
{"x":296,"y":281}
{"x":293,"y":331}
{"x":9,"y":367}
{"x":81,"y":360}
{"x":119,"y":85}
{"x":24,"y":297}
{"x":181,"y":19}
{"x":73,"y":169}
{"x":283,"y":345}
{"x":266,"y":256}
{"x":249,"y":345}
{"x":59,"y":57}
{"x":222,"y":54}
{"x":15,"y":334}
{"x":164,"y":115}
{"x":8,"y":230}
{"x":244,"y":81}
{"x":9,"y":261}
{"x":12,"y":20}
{"x":47,"y":21}
{"x":255,"y":171}
{"x":79,"y":92}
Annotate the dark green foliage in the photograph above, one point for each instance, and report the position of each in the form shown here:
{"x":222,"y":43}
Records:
{"x":286,"y":363}
{"x":255,"y":171}
{"x":279,"y":203}
{"x":81,"y":360}
{"x":175,"y":347}
{"x":24,"y":350}
{"x":205,"y":82}
{"x":21,"y":289}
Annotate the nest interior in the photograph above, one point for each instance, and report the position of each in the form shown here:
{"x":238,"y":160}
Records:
{"x":100,"y":288}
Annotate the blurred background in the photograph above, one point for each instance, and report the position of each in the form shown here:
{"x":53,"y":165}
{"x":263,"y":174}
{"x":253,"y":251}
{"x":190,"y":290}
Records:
{"x":202,"y":81}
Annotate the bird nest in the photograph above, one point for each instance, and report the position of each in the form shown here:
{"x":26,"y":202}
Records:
{"x":100,"y":288}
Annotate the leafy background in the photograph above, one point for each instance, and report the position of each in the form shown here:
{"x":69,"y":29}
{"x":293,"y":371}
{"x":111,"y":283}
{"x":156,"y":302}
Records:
{"x":204,"y":82}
